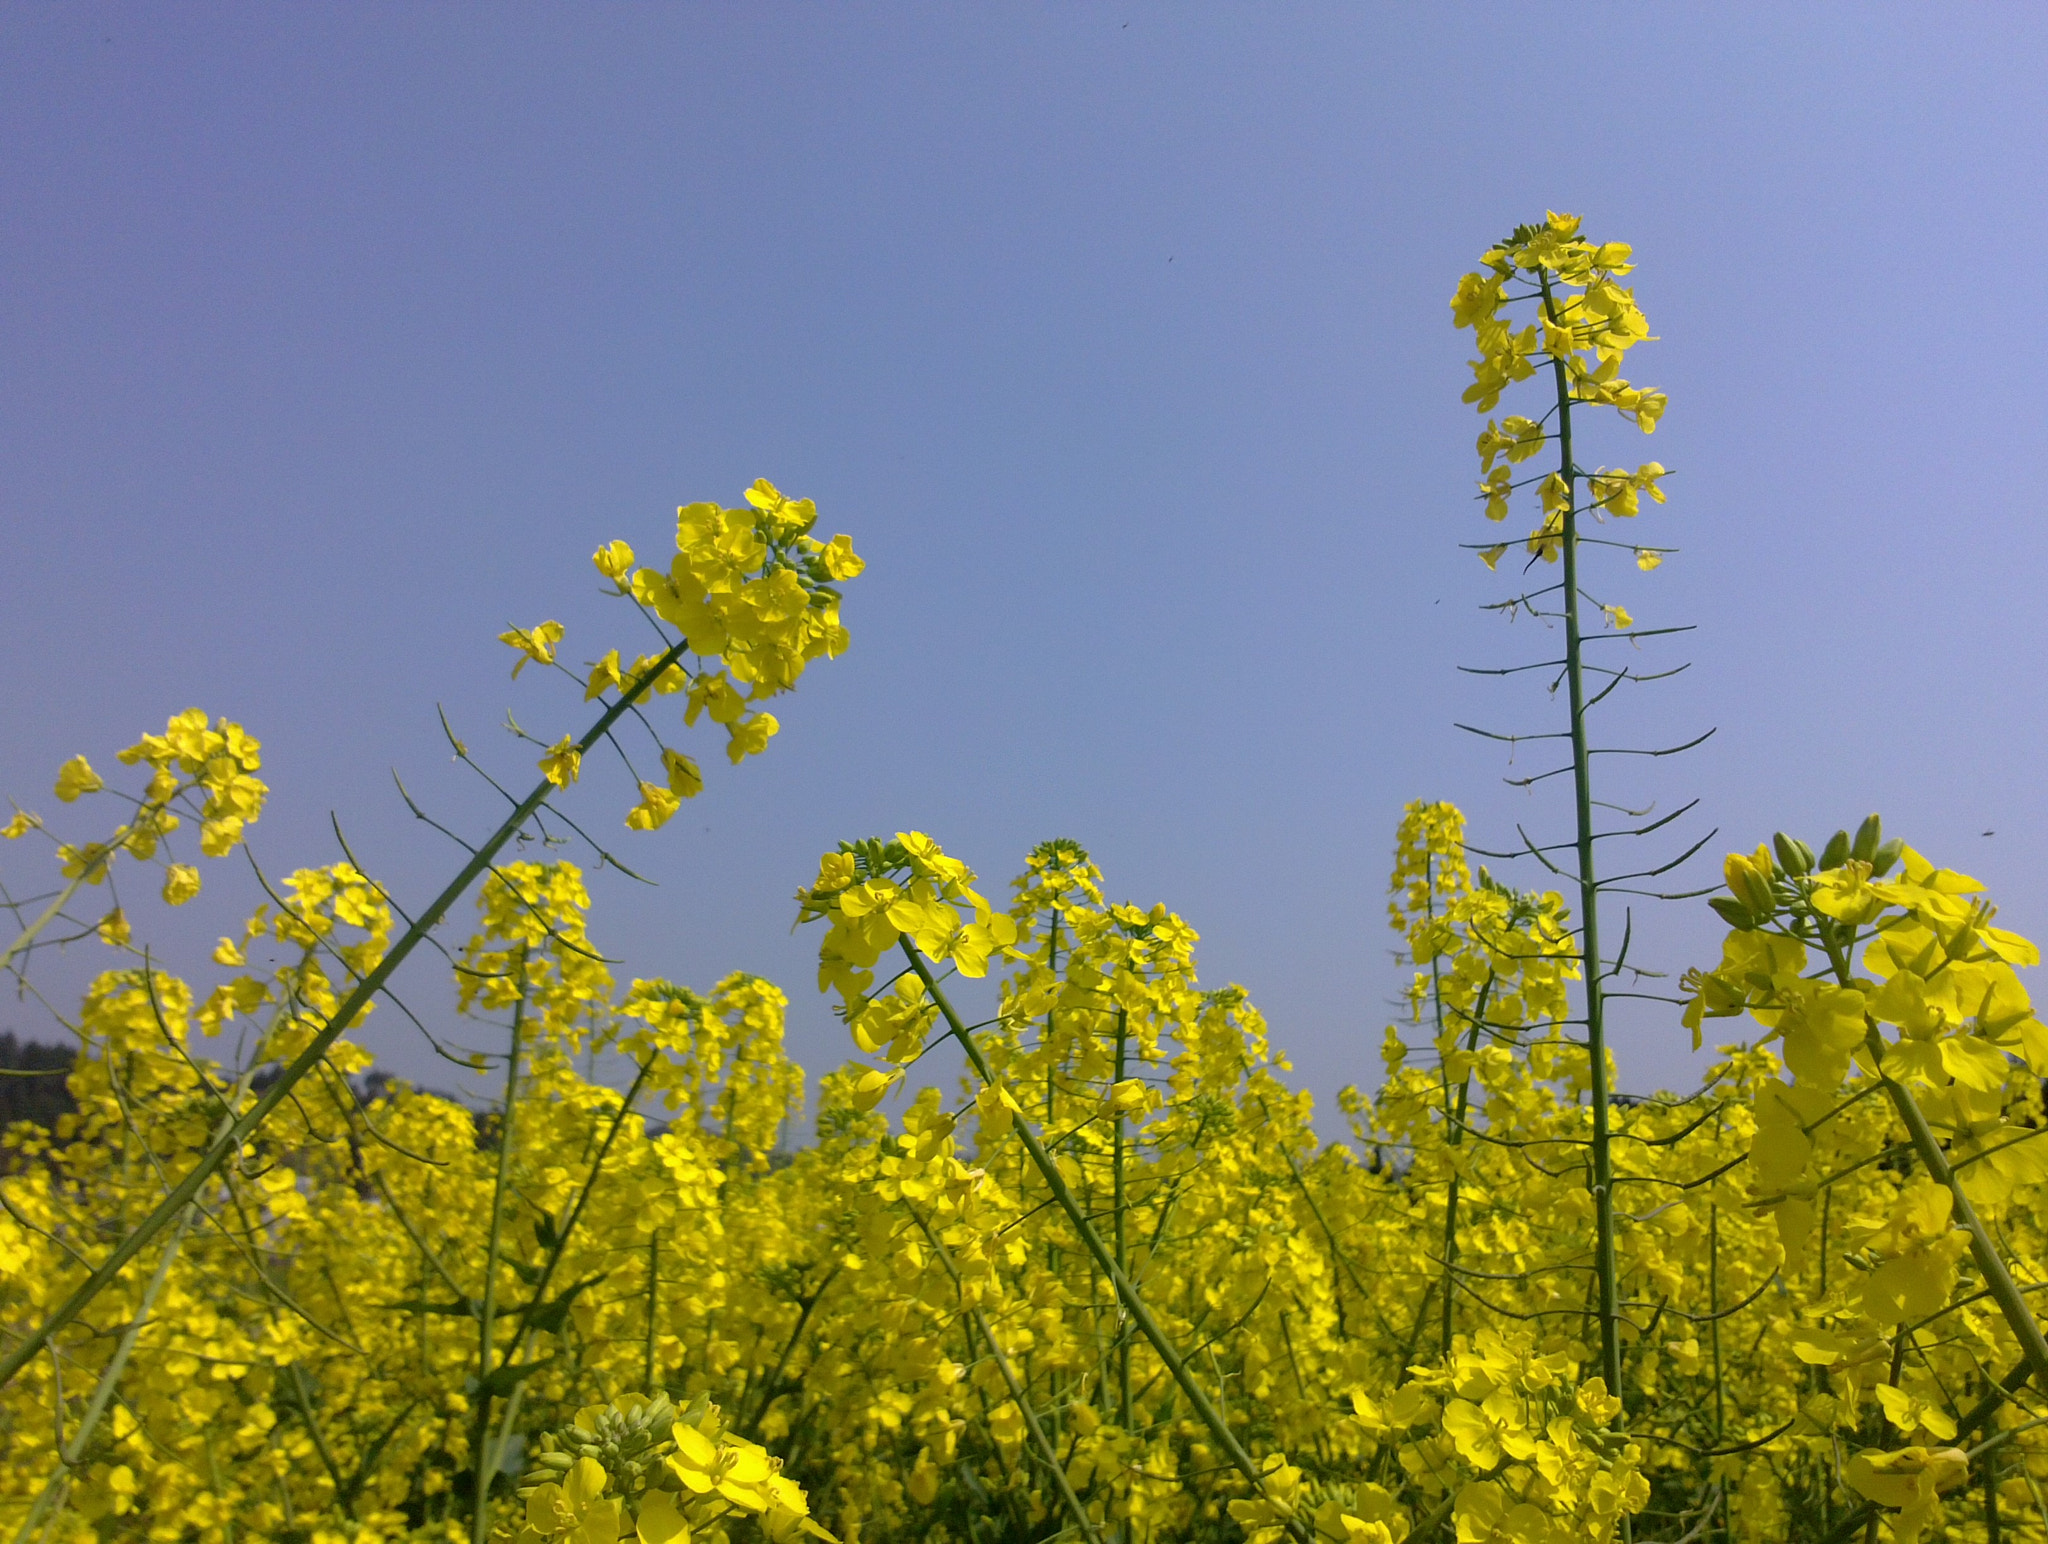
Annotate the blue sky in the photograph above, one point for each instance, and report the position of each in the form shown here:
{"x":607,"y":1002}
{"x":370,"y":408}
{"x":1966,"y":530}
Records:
{"x":335,"y":338}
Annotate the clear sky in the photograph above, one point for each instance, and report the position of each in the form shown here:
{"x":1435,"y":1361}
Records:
{"x":334,"y":338}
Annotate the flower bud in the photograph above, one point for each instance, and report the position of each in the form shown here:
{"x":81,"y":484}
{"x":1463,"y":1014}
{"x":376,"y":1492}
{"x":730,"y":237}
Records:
{"x":1794,"y":856}
{"x":1732,"y":912}
{"x":1750,"y":885}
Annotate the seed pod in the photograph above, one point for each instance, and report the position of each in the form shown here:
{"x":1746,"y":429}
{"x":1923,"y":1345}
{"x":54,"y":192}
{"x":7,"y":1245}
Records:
{"x":1868,"y":836}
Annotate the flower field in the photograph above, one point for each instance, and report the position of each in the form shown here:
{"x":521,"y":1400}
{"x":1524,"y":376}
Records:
{"x":1112,"y":1287}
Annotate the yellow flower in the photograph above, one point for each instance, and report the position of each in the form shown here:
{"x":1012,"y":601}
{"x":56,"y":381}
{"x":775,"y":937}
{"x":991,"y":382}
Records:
{"x":749,"y":736}
{"x":576,"y":1511}
{"x":660,"y":1522}
{"x":535,"y":644}
{"x":787,"y":516}
{"x":684,"y":780}
{"x":220,"y":836}
{"x":77,"y":777}
{"x":563,"y":763}
{"x":734,"y":1470}
{"x":604,"y":677}
{"x":714,"y":693}
{"x":840,"y":560}
{"x":656,"y":805}
{"x":1910,"y":1480}
{"x":1477,"y":1436}
{"x":1496,"y":487}
{"x":89,"y":861}
{"x":181,"y":883}
{"x":614,"y":560}
{"x":1915,"y":1413}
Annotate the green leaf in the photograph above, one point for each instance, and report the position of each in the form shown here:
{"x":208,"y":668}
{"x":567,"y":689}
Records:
{"x":552,"y":1316}
{"x":463,"y":1308}
{"x":505,"y":1379}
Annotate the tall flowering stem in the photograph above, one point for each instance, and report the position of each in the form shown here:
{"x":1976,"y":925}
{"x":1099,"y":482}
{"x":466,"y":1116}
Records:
{"x":1580,"y":310}
{"x":1602,"y":1155}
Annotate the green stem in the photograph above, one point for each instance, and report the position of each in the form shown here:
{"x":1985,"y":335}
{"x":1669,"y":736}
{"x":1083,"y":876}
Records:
{"x":569,"y":1223}
{"x":487,"y":1332}
{"x":103,"y":1392}
{"x":1340,"y":1262}
{"x":1994,"y":1533}
{"x":653,"y":1303}
{"x":1714,"y":1321}
{"x":1979,"y":1413}
{"x":231,"y":1140}
{"x":1140,"y":1313}
{"x":2012,"y":1303}
{"x":1123,"y":1259}
{"x":88,"y":875}
{"x":295,"y":1375}
{"x":68,"y":1454}
{"x":772,"y":1385}
{"x":1455,"y":1138}
{"x":1047,"y":1453}
{"x":1602,"y":1183}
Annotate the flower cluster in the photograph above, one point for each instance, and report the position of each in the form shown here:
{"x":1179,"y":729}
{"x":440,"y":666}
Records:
{"x":208,"y":771}
{"x":1584,"y":322}
{"x":1912,"y":1044}
{"x":874,"y":893}
{"x":750,"y":593}
{"x":1585,"y":312}
{"x":637,"y":1469}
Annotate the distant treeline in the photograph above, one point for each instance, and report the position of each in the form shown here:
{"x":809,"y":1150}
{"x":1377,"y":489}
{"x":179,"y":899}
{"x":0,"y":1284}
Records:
{"x":32,"y":1085}
{"x":33,"y":1088}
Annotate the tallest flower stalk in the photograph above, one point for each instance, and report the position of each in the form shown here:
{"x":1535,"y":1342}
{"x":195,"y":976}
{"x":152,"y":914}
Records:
{"x":1584,"y":322}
